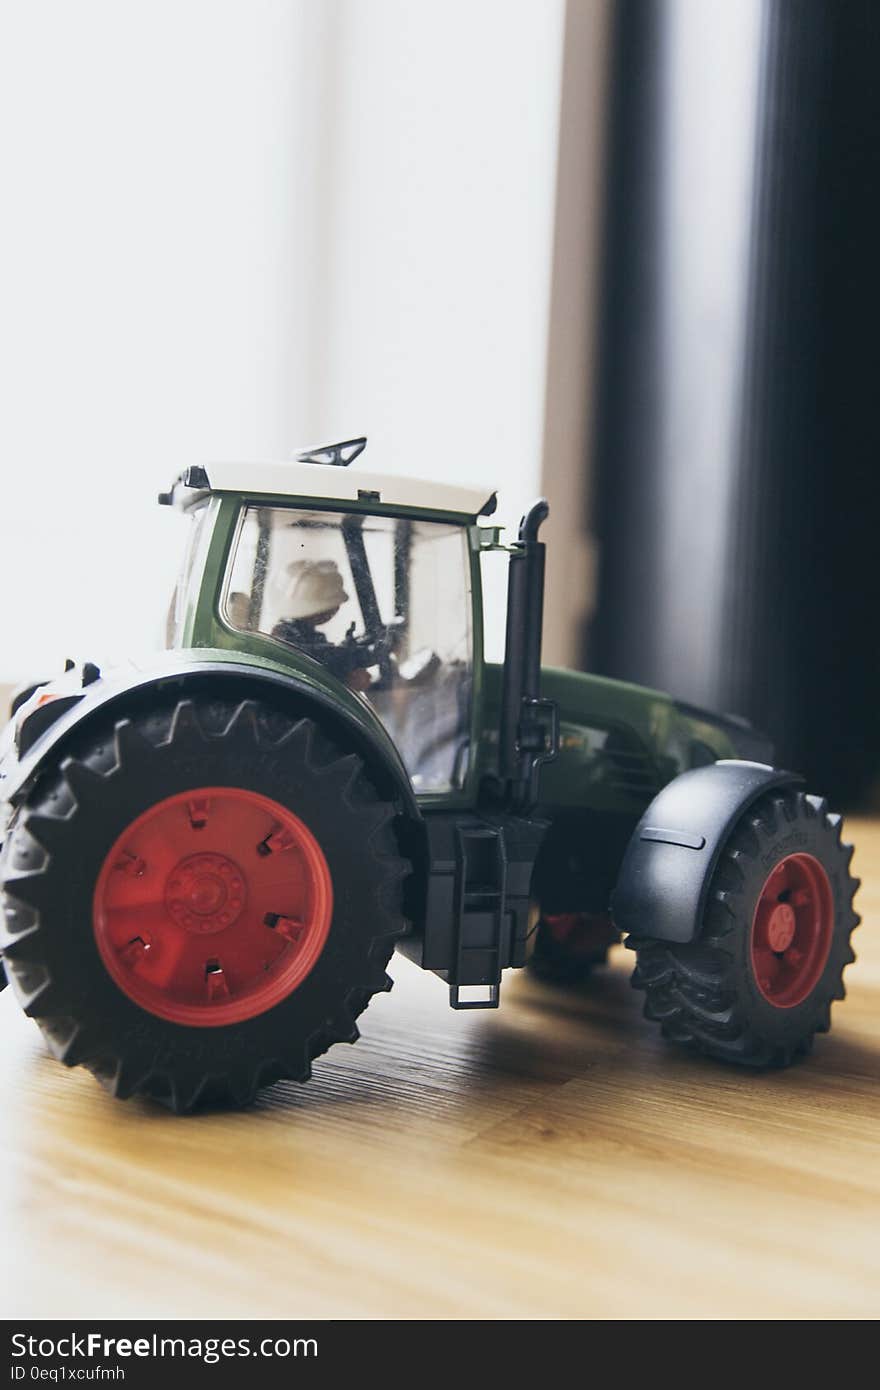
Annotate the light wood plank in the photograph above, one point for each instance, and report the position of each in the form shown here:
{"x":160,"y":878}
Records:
{"x":551,"y":1159}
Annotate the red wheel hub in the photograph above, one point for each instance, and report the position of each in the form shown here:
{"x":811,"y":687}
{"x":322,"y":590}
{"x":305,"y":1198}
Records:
{"x":583,"y":934}
{"x":212,"y":906}
{"x":205,"y":893}
{"x":792,"y":930}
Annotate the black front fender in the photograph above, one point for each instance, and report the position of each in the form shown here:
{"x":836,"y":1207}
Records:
{"x":664,"y":878}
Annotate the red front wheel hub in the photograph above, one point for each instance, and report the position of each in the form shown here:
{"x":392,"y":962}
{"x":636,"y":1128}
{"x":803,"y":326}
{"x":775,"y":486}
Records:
{"x":212,"y":906}
{"x":792,"y":930}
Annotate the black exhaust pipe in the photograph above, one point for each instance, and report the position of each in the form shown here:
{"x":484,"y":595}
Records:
{"x":528,"y":735}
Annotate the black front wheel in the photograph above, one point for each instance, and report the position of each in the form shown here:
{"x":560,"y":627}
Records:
{"x":759,"y":982}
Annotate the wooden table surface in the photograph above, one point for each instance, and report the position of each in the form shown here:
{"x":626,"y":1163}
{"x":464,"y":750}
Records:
{"x":552,"y":1159}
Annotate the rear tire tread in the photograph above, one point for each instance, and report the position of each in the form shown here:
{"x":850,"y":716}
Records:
{"x":41,"y":829}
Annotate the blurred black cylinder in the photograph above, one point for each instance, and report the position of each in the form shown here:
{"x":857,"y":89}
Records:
{"x":738,"y":432}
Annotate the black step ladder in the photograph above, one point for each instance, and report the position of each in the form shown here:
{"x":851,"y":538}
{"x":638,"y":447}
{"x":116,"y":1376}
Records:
{"x":482,"y":945}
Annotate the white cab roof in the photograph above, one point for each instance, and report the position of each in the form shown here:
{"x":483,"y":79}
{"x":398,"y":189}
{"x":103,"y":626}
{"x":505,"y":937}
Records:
{"x":327,"y":481}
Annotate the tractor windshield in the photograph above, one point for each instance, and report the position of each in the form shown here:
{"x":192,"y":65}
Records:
{"x":382,"y":602}
{"x":187,"y":586}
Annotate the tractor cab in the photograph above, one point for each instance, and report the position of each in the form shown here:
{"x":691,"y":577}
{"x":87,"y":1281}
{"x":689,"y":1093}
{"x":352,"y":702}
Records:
{"x":383,"y":603}
{"x":374,"y":579}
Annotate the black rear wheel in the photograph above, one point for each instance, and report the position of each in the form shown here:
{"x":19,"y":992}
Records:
{"x":201,"y":900}
{"x":759,"y":982}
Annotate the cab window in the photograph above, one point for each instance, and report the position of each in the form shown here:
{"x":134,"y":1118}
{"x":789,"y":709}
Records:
{"x":190,"y":574}
{"x":382,"y":603}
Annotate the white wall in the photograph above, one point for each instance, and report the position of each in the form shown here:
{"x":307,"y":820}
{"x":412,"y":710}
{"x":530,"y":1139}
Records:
{"x":231,"y":226}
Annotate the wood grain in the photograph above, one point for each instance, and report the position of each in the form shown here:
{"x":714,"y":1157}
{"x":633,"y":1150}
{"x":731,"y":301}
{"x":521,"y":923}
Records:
{"x":551,"y":1159}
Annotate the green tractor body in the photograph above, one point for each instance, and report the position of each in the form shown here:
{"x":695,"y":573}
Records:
{"x":491,"y":813}
{"x":651,"y":735}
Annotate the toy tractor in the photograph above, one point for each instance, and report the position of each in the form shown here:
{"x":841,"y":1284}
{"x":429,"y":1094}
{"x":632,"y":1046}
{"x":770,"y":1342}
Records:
{"x":208,"y":862}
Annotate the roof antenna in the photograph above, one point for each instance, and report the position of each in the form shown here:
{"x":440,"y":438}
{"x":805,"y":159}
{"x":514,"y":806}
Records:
{"x":339,"y":455}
